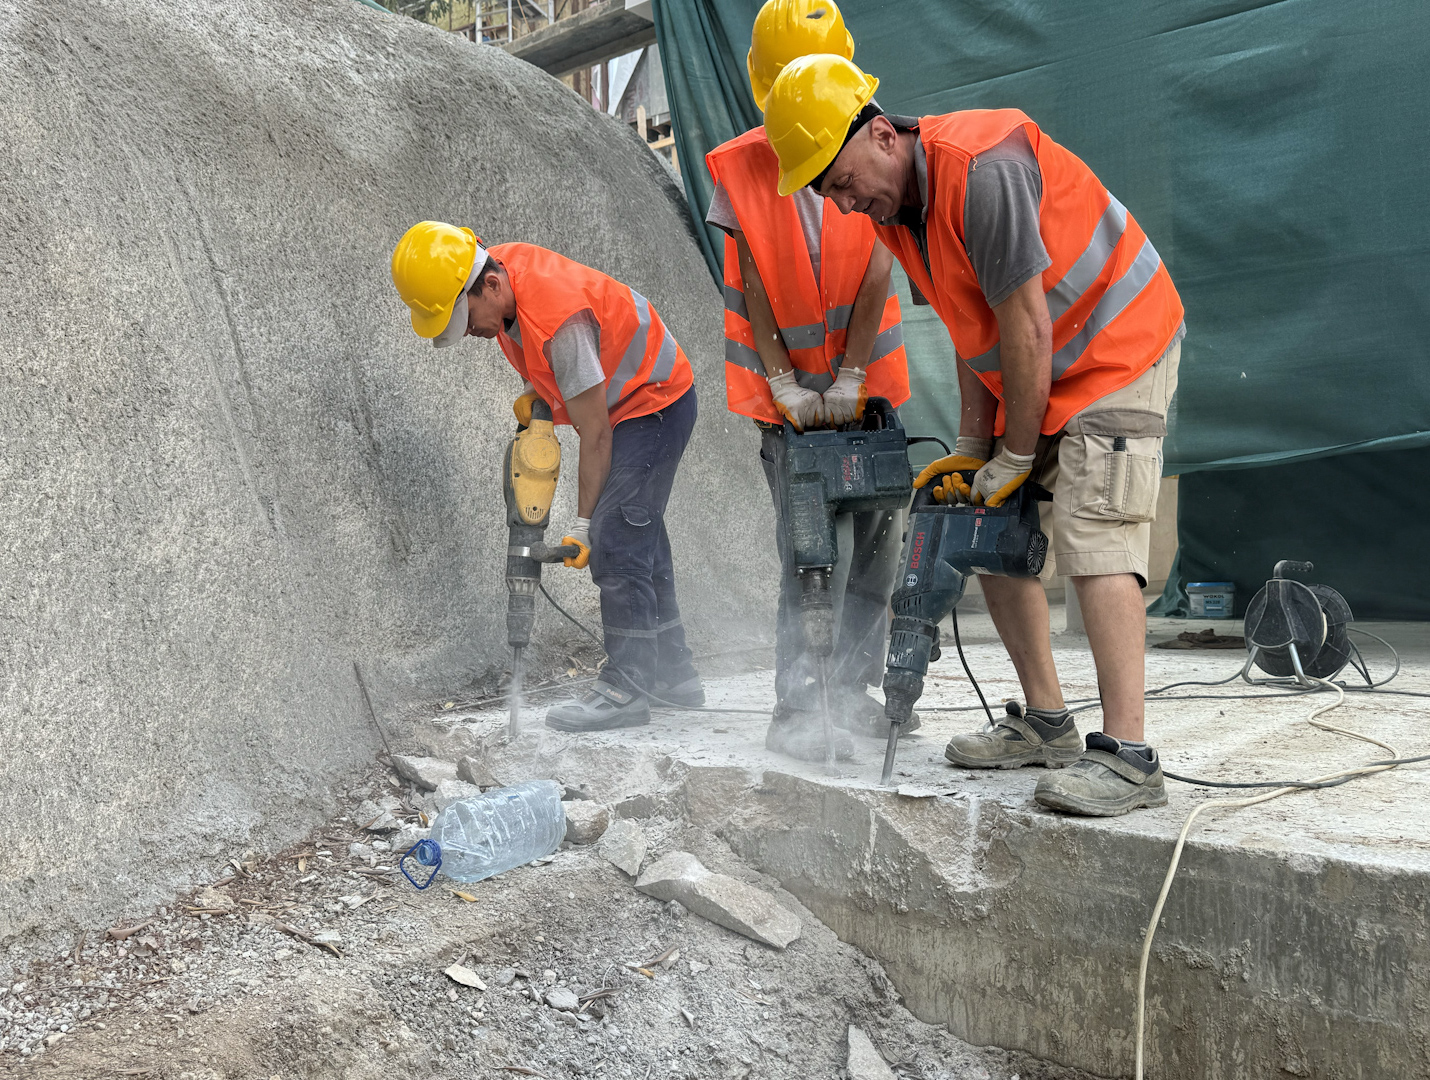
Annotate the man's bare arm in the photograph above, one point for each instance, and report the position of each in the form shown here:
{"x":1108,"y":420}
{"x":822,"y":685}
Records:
{"x":868,"y":308}
{"x":593,"y":423}
{"x":1026,"y":358}
{"x":766,"y":331}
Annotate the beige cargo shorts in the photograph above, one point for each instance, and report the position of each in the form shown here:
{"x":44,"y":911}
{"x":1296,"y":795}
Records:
{"x":1104,"y":469}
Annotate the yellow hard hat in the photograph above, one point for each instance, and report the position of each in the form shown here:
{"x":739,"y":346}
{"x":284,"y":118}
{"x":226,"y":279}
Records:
{"x":785,"y":30}
{"x":432,"y":267}
{"x":808,"y":113}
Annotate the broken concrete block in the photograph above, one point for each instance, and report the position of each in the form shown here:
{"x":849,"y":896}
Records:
{"x":425,"y":772}
{"x":624,"y":845}
{"x":450,"y":791}
{"x":636,"y":806}
{"x":721,"y":899}
{"x":586,"y":821}
{"x":865,"y":1062}
{"x":476,"y":770}
{"x":563,"y":999}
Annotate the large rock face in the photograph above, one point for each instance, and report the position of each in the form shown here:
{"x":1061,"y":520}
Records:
{"x":229,"y":469}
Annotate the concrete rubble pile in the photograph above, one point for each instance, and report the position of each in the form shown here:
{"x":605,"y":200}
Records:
{"x":230,"y":470}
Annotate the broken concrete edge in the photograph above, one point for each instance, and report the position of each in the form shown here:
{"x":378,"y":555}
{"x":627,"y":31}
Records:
{"x":624,"y":846}
{"x":427,"y":773}
{"x":864,"y":1061}
{"x":726,"y":901}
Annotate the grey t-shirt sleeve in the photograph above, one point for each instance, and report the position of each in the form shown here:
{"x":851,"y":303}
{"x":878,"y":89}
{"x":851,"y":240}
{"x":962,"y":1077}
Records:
{"x":1000,"y":217}
{"x":722,"y":210}
{"x":574,"y":354}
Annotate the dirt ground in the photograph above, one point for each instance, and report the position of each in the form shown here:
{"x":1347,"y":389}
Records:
{"x":315,"y":964}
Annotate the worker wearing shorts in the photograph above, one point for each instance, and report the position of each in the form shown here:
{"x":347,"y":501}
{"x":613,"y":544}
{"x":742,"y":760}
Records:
{"x":1068,"y":333}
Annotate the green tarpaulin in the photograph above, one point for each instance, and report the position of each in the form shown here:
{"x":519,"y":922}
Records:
{"x":1275,"y":153}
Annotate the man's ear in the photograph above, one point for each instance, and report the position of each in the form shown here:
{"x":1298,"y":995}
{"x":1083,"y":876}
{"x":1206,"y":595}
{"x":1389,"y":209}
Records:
{"x":885,"y":136}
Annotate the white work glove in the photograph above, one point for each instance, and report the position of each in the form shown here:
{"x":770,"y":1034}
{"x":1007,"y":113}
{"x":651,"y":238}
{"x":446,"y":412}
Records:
{"x":844,"y":401}
{"x":801,"y":407}
{"x":1002,"y":476}
{"x":581,"y":536}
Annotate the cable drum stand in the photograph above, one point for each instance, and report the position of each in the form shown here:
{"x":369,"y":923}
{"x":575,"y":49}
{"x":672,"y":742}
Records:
{"x":1295,"y":630}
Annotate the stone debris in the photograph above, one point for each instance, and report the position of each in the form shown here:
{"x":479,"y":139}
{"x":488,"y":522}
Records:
{"x":425,"y":772}
{"x":450,"y":791}
{"x":375,"y":817}
{"x":563,"y":999}
{"x":476,"y":770}
{"x":465,"y":976}
{"x":586,"y":821}
{"x":624,"y":846}
{"x":732,"y":904}
{"x":210,"y":899}
{"x":865,"y":1062}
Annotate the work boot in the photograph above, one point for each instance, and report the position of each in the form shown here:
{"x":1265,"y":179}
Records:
{"x":800,"y":735}
{"x":854,"y":710}
{"x":1022,"y":737}
{"x":688,"y":693}
{"x":600,"y":708}
{"x":1109,"y":779}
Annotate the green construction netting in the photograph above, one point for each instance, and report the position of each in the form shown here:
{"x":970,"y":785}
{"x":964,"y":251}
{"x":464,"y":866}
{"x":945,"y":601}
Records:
{"x":1275,"y":154}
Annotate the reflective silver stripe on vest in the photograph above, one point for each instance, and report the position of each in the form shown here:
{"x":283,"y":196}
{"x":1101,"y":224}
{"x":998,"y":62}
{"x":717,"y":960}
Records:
{"x":985,"y":362}
{"x":735,"y":301}
{"x":665,"y":359}
{"x":741,"y":355}
{"x":1112,"y":303}
{"x":634,"y":355}
{"x":887,"y":342}
{"x":1084,"y":273}
{"x":837,"y":318}
{"x":809,"y":336}
{"x":818,"y":381}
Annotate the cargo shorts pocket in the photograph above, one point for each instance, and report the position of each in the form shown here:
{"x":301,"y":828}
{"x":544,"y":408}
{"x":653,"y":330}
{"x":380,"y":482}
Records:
{"x":1129,"y":469}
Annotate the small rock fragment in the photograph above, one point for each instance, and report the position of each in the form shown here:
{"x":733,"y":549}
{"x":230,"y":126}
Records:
{"x":636,"y":806}
{"x":865,"y":1062}
{"x":624,"y":845}
{"x":213,"y":900}
{"x":359,"y":851}
{"x":721,"y":899}
{"x":586,"y":821}
{"x":675,"y":909}
{"x":326,"y":937}
{"x":477,"y":770}
{"x":374,"y":817}
{"x":425,"y":772}
{"x":466,"y":976}
{"x":563,"y":999}
{"x":504,"y":977}
{"x":450,"y":791}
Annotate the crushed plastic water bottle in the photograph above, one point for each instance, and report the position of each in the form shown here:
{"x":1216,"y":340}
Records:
{"x":499,"y":830}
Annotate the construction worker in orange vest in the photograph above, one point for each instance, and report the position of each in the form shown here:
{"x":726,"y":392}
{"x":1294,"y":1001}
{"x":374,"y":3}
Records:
{"x":812,"y":328}
{"x":598,"y":353}
{"x":1068,"y":332}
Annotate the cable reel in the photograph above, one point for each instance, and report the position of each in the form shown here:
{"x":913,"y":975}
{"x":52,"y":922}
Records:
{"x":1296,"y":630}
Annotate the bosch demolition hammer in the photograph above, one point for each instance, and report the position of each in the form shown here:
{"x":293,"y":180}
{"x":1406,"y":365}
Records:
{"x":824,"y":472}
{"x":529,"y":472}
{"x":945,"y":544}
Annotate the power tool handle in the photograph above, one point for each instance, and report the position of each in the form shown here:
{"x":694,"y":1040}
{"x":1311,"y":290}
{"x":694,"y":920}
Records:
{"x":1291,"y":566}
{"x":543,"y":553}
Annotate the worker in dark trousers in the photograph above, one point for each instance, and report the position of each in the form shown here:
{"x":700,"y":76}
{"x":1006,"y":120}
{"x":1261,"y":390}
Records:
{"x":812,"y":329}
{"x":597,"y":352}
{"x":1068,"y":332}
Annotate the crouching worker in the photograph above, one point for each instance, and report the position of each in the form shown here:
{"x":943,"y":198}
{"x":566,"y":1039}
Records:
{"x":812,"y":329}
{"x":595,"y":351}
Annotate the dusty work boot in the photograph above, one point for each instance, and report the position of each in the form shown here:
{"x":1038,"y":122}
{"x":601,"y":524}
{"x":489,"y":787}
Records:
{"x":857,"y":712}
{"x":600,"y":708}
{"x":1109,"y":779}
{"x":1021,"y":737}
{"x":800,"y":735}
{"x":686,"y":692}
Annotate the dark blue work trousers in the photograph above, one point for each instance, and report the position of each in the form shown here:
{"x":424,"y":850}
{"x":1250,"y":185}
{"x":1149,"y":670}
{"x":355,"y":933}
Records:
{"x":630,"y":550}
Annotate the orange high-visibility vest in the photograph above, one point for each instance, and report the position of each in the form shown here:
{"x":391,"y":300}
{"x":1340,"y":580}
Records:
{"x":813,"y":316}
{"x":1113,"y":306}
{"x":645,"y":368}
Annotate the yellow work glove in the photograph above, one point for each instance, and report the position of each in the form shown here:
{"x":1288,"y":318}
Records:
{"x":581,"y":537}
{"x":801,"y":407}
{"x":957,"y":470}
{"x":844,"y":401}
{"x":522,"y":406}
{"x":1001,"y":477}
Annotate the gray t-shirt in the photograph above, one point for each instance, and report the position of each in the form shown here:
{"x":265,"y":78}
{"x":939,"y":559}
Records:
{"x":1000,"y":215}
{"x":809,"y":204}
{"x":574,"y":353}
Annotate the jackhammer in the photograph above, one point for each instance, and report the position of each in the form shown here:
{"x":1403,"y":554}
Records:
{"x":865,"y":468}
{"x":529,"y":472}
{"x":945,"y":544}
